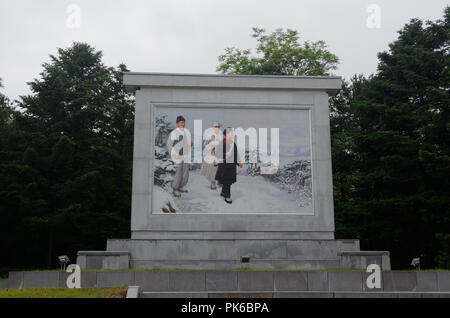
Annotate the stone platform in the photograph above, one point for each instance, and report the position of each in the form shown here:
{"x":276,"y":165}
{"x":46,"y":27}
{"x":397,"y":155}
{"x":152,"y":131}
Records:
{"x":244,"y":284}
{"x":298,"y":294}
{"x":232,"y":254}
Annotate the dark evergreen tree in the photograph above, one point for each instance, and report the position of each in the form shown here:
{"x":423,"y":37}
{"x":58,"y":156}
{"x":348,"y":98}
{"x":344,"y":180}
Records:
{"x":68,"y":173}
{"x":391,"y":149}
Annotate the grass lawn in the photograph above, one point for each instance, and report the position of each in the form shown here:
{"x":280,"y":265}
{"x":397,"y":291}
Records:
{"x":116,"y":292}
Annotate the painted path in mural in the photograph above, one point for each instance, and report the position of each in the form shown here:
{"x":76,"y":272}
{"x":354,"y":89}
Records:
{"x":250,"y":195}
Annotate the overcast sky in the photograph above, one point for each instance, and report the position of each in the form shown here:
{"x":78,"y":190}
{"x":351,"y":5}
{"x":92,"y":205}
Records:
{"x":187,"y":36}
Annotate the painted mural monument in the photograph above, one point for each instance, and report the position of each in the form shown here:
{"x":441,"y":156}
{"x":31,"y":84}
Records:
{"x":229,"y":172}
{"x":275,"y":177}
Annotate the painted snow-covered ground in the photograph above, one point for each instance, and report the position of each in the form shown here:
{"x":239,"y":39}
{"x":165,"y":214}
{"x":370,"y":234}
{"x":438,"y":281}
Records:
{"x":250,"y":194}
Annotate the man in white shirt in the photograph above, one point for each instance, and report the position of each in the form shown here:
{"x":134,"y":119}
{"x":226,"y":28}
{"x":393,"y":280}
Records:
{"x":178,"y":147}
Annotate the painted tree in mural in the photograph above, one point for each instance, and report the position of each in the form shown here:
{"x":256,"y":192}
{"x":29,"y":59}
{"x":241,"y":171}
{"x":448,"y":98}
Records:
{"x":163,"y":167}
{"x":295,"y":179}
{"x":252,"y":162}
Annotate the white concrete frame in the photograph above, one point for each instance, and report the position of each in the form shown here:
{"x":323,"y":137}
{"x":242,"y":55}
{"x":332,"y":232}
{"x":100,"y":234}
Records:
{"x":156,"y":89}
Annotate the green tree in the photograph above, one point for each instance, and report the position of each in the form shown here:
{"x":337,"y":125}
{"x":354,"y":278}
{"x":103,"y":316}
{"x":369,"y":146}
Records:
{"x":5,"y":110}
{"x":397,"y":148}
{"x":349,"y":218}
{"x":279,"y":53}
{"x":68,"y":174}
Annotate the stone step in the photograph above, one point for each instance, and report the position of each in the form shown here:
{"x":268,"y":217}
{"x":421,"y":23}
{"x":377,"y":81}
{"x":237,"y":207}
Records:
{"x":228,"y":253}
{"x":273,"y":264}
{"x":293,"y":294}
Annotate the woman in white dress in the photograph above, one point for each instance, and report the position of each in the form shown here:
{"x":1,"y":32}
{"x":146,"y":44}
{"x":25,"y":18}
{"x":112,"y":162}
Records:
{"x":209,"y":166}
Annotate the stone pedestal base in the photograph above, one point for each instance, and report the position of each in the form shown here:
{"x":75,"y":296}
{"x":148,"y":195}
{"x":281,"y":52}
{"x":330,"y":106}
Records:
{"x":103,"y":259}
{"x":235,"y":253}
{"x":227,"y":254}
{"x":362,"y":259}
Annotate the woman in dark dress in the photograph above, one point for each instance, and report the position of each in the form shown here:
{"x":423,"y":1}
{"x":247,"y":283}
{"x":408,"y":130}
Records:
{"x":229,"y":158}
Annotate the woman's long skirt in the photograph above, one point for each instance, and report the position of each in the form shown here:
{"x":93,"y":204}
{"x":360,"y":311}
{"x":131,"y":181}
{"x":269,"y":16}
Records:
{"x":209,"y":171}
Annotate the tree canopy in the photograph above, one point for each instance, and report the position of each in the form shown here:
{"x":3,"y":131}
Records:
{"x":65,"y":169}
{"x":279,"y":53}
{"x":391,"y":154}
